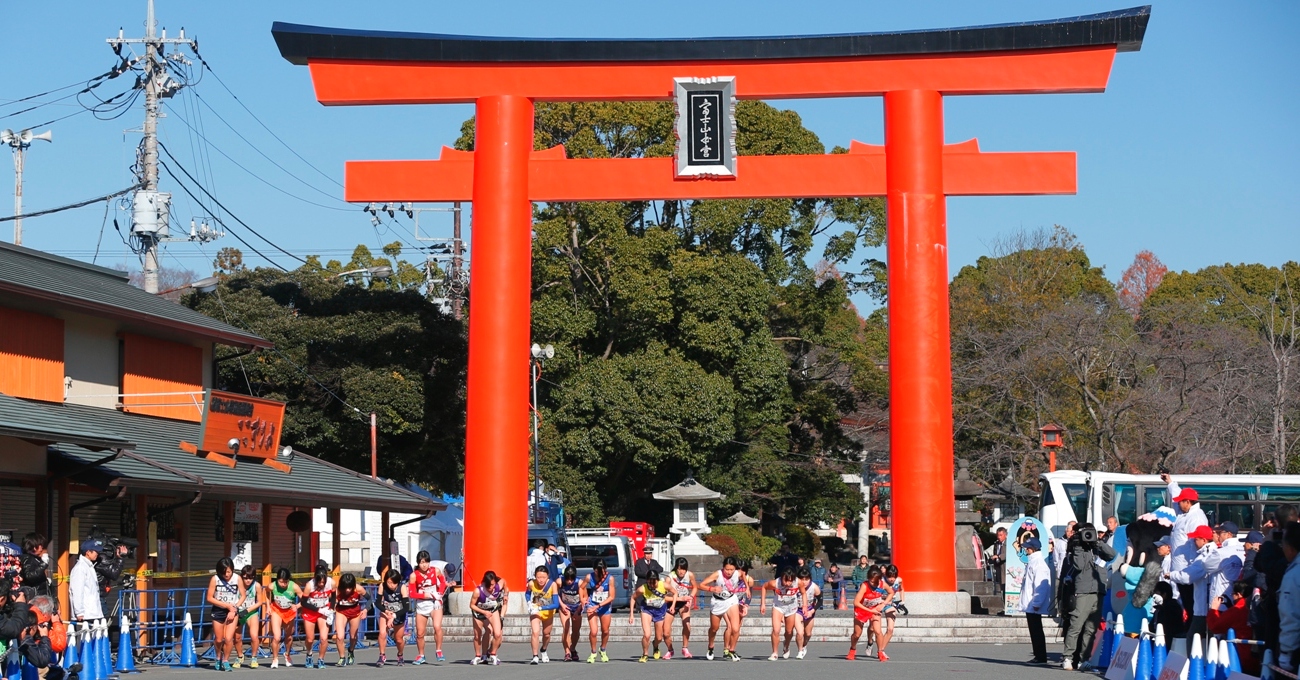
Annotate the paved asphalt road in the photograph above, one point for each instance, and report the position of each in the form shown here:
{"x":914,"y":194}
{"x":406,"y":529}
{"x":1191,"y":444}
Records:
{"x":825,"y":660}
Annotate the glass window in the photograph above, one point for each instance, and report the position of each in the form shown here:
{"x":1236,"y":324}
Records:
{"x":586,"y":556}
{"x":1155,"y":496}
{"x":1280,"y":494}
{"x":1078,"y":495}
{"x":1241,"y":514}
{"x":1224,"y":493}
{"x":1125,"y":503}
{"x":1047,"y":500}
{"x":689,"y":512}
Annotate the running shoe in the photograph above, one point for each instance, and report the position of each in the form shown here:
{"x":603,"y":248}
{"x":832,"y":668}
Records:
{"x":803,"y":651}
{"x":735,"y":656}
{"x":275,"y":663}
{"x":545,"y":658}
{"x":287,"y":662}
{"x":657,"y":655}
{"x":592,"y":658}
{"x":343,"y":661}
{"x":351,"y":659}
{"x":568,"y":656}
{"x":668,"y":655}
{"x":320,"y":663}
{"x":643,"y":658}
{"x":311,"y":663}
{"x":852,"y":655}
{"x":252,"y":663}
{"x":604,"y":658}
{"x":400,"y":661}
{"x":786,"y":653}
{"x":882,"y":656}
{"x":475,"y":661}
{"x":774,"y":657}
{"x":495,"y":661}
{"x":382,"y":660}
{"x":686,"y":653}
{"x":437,"y":654}
{"x":239,"y":661}
{"x":218,"y":666}
{"x":535,"y":660}
{"x":419,"y":661}
{"x":709,"y":654}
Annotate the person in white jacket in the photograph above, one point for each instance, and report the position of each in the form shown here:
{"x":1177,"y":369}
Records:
{"x":1189,"y":517}
{"x":1232,"y":555}
{"x":1197,"y":575}
{"x":83,"y":585}
{"x":1036,"y":596}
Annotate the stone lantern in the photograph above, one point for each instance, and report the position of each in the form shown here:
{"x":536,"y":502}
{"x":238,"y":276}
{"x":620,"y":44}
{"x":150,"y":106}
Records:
{"x":690,"y":523}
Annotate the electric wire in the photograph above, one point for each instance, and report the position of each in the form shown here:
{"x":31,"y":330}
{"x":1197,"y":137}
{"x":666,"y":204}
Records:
{"x":38,"y":96}
{"x":218,"y":219}
{"x":245,"y":169}
{"x":70,"y":206}
{"x":223,"y":207}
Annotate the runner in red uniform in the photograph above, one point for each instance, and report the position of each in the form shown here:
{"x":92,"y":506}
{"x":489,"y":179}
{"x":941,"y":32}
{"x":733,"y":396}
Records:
{"x":428,"y":587}
{"x":317,"y":613}
{"x":347,"y":606}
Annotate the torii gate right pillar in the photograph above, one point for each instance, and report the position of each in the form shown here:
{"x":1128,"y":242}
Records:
{"x":920,"y":388}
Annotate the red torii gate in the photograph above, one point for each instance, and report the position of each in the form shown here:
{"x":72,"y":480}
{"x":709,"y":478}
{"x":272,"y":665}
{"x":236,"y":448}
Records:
{"x":914,"y":170}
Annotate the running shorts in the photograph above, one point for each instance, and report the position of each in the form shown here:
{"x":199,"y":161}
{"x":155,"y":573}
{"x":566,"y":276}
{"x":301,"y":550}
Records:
{"x":427,"y":607}
{"x":657,"y":614}
{"x":286,"y":615}
{"x":245,"y":615}
{"x":350,"y":613}
{"x":862,"y":615}
{"x":679,"y":607}
{"x":722,"y":605}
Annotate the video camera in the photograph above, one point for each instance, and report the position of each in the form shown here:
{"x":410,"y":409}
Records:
{"x":111,"y":562}
{"x":1087,"y":534}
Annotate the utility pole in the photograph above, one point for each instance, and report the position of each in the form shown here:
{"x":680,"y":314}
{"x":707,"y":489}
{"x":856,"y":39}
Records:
{"x":456,"y":260}
{"x":150,"y":207}
{"x":20,"y":141}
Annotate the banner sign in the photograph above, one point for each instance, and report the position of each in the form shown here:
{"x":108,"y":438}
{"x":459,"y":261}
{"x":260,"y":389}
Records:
{"x":251,"y":424}
{"x":1124,"y":664}
{"x":1175,"y":667}
{"x":706,"y":126}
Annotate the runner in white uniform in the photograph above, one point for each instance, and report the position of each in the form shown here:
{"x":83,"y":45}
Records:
{"x":806,"y":615}
{"x":683,"y":582}
{"x":725,"y":585}
{"x":790,"y":597}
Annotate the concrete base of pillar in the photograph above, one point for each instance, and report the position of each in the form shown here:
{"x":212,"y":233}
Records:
{"x":517,"y":605}
{"x":937,"y":604}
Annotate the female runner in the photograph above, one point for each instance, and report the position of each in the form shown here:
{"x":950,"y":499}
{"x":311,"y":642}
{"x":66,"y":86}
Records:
{"x":316,"y":612}
{"x":599,"y":586}
{"x":224,"y":594}
{"x":573,"y":593}
{"x":812,"y":591}
{"x":683,"y":582}
{"x":543,"y":600}
{"x":428,"y":587}
{"x":348,"y":607}
{"x":285,"y":596}
{"x":487,"y":604}
{"x":871,"y":599}
{"x":790,"y":597}
{"x":725,"y":585}
{"x":250,"y":614}
{"x":655,"y":597}
{"x":392,"y":615}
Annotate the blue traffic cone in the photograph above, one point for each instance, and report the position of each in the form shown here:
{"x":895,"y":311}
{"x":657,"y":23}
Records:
{"x":104,"y":651}
{"x":1114,"y":638}
{"x":30,"y":672}
{"x":89,"y":669}
{"x":1234,"y":661}
{"x":1266,"y":668}
{"x":188,"y":658}
{"x":70,"y":655}
{"x":1195,"y":663}
{"x":1159,"y":652}
{"x":1212,"y":658}
{"x":1143,"y":671}
{"x":1225,"y":658}
{"x":14,"y":671}
{"x":125,"y":655}
{"x":102,"y":670}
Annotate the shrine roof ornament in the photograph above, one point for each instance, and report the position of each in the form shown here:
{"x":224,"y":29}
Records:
{"x":301,"y":44}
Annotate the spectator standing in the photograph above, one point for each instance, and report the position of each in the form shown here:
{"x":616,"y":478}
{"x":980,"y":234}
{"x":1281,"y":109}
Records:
{"x":1059,"y":547}
{"x":36,"y":566}
{"x":1235,"y":616}
{"x":83,"y":586}
{"x":536,"y":556}
{"x":642,"y":568}
{"x":1189,"y":518}
{"x":998,"y":559}
{"x":1081,"y":586}
{"x":835,"y":581}
{"x":1036,"y":596}
{"x":1250,"y":550}
{"x":1271,"y":564}
{"x":1196,"y":576}
{"x":1288,"y":600}
{"x":860,"y":570}
{"x":817,"y":574}
{"x":1231,"y":559}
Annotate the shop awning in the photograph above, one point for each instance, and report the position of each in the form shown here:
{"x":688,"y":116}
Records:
{"x":151,"y":461}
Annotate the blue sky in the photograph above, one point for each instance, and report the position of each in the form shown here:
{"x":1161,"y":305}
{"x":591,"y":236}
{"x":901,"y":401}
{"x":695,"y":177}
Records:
{"x":1192,"y":152}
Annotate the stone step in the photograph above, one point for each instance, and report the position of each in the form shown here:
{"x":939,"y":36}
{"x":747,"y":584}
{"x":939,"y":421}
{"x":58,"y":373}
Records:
{"x":977,"y":588}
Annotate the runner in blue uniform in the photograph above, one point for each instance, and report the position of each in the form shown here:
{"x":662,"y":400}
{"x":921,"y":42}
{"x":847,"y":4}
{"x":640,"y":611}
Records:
{"x":599,"y":586}
{"x":573,"y":592}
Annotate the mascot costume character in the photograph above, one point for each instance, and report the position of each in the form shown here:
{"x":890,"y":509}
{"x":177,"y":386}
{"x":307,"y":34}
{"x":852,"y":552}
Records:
{"x":1137,"y":570}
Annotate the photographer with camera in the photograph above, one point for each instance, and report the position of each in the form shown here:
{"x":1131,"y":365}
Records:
{"x":1081,"y":586}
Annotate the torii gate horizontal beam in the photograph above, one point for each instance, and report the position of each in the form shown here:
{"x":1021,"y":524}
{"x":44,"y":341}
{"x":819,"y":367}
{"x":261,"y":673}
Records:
{"x":859,"y":173}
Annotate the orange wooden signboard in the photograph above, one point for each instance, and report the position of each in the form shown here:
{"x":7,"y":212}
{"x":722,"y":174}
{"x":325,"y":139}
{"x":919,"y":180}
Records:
{"x":253,"y":423}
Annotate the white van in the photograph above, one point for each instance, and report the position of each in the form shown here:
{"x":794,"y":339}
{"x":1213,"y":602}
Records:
{"x":587,"y":546}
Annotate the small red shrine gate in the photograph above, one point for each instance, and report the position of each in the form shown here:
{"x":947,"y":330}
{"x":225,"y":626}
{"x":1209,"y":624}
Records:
{"x":914,"y":170}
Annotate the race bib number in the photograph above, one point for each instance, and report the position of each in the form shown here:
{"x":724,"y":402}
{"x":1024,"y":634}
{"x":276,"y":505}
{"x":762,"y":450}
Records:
{"x":599,"y":596}
{"x":654,"y":602}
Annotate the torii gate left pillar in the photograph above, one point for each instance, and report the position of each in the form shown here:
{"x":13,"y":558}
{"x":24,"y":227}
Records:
{"x":915,"y":170}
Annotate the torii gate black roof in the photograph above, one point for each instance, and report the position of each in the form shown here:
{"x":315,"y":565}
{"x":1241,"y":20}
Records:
{"x":299,"y":44}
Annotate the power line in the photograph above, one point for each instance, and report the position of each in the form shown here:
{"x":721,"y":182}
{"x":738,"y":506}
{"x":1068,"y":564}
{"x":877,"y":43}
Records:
{"x":208,"y":66}
{"x":255,"y":175}
{"x":70,"y":206}
{"x":223,"y":207}
{"x":214,"y":217}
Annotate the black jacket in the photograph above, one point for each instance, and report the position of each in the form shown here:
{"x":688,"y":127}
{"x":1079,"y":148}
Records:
{"x":1088,"y":578}
{"x":13,"y":620}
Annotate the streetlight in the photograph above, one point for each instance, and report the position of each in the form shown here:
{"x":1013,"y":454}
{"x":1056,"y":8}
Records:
{"x":202,"y":285}
{"x":1052,"y":441}
{"x":20,"y":141}
{"x":540,"y":355}
{"x":382,"y":271}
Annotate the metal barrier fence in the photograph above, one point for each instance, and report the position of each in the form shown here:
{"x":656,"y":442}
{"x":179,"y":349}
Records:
{"x":156,"y":636}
